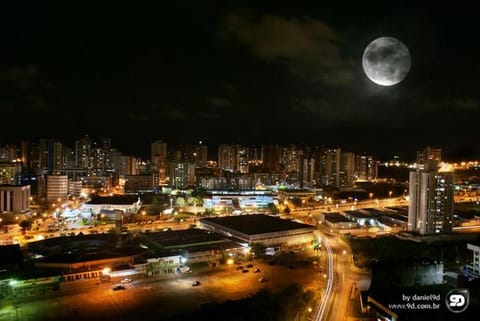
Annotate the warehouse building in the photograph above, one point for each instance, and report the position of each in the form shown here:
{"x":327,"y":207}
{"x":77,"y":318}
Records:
{"x":262,"y":229}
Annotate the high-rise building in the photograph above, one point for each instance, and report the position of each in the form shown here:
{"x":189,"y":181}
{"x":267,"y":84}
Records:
{"x":181,"y":174}
{"x":10,"y":173}
{"x":29,"y":154}
{"x":271,"y":157}
{"x":8,"y":153}
{"x":83,"y":148}
{"x":227,"y":157}
{"x":428,"y":157}
{"x":68,"y":157}
{"x":158,"y":154}
{"x":141,"y":183}
{"x":431,"y":194}
{"x":128,"y":166}
{"x":51,"y":156}
{"x":307,"y":178}
{"x":366,"y":168}
{"x":291,"y":158}
{"x":242,"y":158}
{"x":330,"y":165}
{"x":347,"y":170}
{"x":14,"y":198}
{"x":201,"y":155}
{"x":57,"y":187}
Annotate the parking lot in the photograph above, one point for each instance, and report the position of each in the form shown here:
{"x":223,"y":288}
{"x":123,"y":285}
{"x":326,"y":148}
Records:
{"x":152,"y":299}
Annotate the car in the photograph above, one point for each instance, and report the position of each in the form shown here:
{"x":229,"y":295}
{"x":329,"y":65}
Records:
{"x":196,"y":283}
{"x":118,"y":287}
{"x":249,"y":266}
{"x":256,"y":271}
{"x":245,"y":271}
{"x":126,"y":280}
{"x":262,"y":279}
{"x":240,"y":267}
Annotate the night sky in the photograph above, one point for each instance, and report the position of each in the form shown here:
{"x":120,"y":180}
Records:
{"x":242,"y":73}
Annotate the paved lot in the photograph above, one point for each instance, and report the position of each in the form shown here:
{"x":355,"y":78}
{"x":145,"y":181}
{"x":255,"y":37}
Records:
{"x":151,"y":299}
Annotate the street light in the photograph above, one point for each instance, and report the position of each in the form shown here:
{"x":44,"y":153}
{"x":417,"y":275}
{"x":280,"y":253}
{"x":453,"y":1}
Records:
{"x":390,"y":194}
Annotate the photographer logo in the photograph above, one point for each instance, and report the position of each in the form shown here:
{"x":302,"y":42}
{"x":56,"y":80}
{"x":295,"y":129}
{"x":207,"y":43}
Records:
{"x":457,"y":300}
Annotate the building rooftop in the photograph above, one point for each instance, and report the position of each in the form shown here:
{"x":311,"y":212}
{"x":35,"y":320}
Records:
{"x":357,"y":214}
{"x":336,"y":218}
{"x":398,"y":217}
{"x":126,"y":200}
{"x":178,"y":238}
{"x":256,"y":224}
{"x":10,"y":255}
{"x":374,"y":211}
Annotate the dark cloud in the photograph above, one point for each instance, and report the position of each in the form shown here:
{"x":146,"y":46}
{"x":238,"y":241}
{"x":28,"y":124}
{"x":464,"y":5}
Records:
{"x":207,"y":115}
{"x":459,"y":104}
{"x":23,"y":87}
{"x":219,"y":102}
{"x":308,"y":47}
{"x":172,"y":113}
{"x":321,"y":109}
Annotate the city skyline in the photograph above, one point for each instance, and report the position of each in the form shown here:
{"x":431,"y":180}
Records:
{"x":147,"y":153}
{"x":246,"y":73}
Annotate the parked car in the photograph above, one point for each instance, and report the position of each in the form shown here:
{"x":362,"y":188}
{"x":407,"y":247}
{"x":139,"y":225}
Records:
{"x":245,"y":271}
{"x":196,"y":283}
{"x":118,"y":287}
{"x":249,"y":266}
{"x":262,"y":279}
{"x":256,"y":271}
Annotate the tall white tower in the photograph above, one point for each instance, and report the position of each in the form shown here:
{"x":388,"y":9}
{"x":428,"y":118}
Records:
{"x":431,"y":201}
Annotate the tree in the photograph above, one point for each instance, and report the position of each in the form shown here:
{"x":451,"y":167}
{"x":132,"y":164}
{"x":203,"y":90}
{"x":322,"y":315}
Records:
{"x":297,"y":202}
{"x":194,"y":201}
{"x":25,"y":225}
{"x":199,"y":192}
{"x":155,"y":207}
{"x":180,"y":201}
{"x":258,"y":249}
{"x":272,"y":208}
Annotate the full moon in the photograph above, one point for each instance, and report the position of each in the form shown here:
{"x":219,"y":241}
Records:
{"x":386,"y":61}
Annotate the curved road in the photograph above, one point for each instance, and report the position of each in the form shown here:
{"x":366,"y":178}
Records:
{"x":343,"y":282}
{"x":321,"y":312}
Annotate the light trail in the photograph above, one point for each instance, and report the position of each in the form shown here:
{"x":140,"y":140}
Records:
{"x":320,"y":315}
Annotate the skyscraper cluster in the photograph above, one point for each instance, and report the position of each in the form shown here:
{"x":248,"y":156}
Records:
{"x":97,"y":164}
